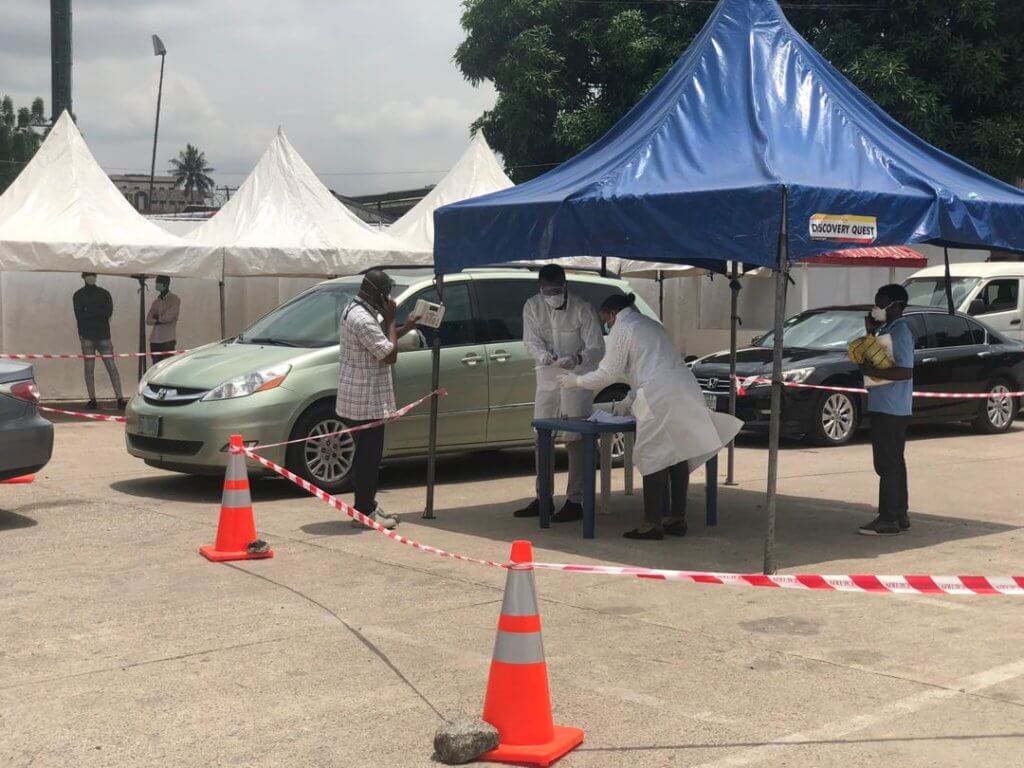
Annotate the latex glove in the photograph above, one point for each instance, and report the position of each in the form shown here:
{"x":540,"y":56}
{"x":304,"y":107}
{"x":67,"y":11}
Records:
{"x":621,"y":408}
{"x":567,"y":362}
{"x":569,"y":381}
{"x":547,"y":359}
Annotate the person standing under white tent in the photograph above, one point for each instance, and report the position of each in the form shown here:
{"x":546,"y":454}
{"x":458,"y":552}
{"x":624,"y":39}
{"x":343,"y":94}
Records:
{"x":675,"y":431}
{"x":93,"y":308}
{"x":561,"y":333}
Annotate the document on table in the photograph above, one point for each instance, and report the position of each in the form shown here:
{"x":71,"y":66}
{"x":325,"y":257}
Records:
{"x":603,"y":417}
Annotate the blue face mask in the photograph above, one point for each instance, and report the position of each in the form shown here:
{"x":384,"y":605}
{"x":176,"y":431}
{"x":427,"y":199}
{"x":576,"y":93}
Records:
{"x":607,"y":328}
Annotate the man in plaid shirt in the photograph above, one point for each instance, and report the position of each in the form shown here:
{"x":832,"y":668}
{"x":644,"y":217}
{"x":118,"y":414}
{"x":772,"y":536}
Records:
{"x":366,"y":393}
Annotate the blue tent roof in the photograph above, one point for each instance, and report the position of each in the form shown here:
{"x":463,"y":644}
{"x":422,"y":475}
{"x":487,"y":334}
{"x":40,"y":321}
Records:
{"x":697,"y":169}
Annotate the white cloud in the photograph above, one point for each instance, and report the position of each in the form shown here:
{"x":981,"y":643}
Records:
{"x":359,"y":85}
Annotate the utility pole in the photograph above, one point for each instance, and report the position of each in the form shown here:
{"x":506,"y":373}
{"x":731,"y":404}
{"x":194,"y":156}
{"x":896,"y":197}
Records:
{"x":60,"y":57}
{"x":161,"y":51}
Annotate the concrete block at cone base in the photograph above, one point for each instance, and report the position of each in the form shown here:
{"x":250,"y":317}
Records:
{"x":464,"y":739}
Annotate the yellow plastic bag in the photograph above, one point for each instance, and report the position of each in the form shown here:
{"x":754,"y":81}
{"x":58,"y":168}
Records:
{"x":870,"y":351}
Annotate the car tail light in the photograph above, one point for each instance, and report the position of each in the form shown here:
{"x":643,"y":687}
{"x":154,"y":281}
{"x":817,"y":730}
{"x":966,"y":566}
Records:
{"x":23,"y":390}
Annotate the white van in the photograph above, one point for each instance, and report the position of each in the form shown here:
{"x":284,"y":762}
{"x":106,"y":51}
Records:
{"x":990,"y":291}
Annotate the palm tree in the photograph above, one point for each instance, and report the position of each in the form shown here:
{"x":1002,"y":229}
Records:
{"x":189,"y":170}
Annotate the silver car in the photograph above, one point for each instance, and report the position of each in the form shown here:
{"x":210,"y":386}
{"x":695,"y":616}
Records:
{"x":26,"y":438}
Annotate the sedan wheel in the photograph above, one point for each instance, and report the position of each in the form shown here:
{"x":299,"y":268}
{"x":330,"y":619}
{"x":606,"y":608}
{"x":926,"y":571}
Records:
{"x":997,"y":412}
{"x":329,"y":459}
{"x":835,"y":419}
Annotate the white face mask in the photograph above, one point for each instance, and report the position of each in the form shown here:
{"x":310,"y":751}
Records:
{"x":556,"y":301}
{"x":90,"y":280}
{"x":879,"y":314}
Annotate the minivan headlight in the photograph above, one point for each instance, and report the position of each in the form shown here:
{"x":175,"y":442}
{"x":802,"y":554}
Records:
{"x":250,"y":383}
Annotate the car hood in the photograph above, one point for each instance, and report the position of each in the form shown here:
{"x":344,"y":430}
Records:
{"x":756,"y":361}
{"x":212,"y":365}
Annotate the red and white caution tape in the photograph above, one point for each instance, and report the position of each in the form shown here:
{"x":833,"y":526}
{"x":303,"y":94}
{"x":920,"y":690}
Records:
{"x":81,"y":415}
{"x":899,"y":585}
{"x":344,"y":508}
{"x":71,"y":356}
{"x":394,"y":416}
{"x":862,"y":391}
{"x":914,"y":585}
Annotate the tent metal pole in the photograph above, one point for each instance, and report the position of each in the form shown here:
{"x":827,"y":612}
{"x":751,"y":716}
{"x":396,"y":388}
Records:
{"x":805,"y":286}
{"x":435,"y":383}
{"x":142,"y":324}
{"x":892,"y":274}
{"x":604,"y":266}
{"x":781,"y":283}
{"x":734,"y":288}
{"x":949,"y":283}
{"x":661,"y":296}
{"x":223,"y":311}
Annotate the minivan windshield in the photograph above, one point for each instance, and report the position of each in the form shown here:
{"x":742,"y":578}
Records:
{"x":833,"y":329}
{"x":308,"y":320}
{"x":931,"y":291}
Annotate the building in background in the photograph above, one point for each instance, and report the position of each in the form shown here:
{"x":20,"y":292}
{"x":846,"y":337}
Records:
{"x":167,"y":198}
{"x":389,"y":205}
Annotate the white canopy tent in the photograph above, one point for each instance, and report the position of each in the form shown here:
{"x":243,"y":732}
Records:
{"x":477,"y":172}
{"x":63,"y":214}
{"x":284,"y":222}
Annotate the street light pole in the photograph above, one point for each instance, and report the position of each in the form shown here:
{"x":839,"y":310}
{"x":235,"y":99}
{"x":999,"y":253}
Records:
{"x":161,"y":51}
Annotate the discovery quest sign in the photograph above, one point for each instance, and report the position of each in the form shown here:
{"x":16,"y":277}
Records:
{"x":844,"y":229}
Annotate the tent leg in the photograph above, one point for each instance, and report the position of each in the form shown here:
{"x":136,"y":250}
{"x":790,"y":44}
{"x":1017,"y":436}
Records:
{"x":435,"y":383}
{"x":949,"y":283}
{"x":734,"y":287}
{"x":781,"y":283}
{"x":142,"y":324}
{"x":223,"y":313}
{"x":661,"y":296}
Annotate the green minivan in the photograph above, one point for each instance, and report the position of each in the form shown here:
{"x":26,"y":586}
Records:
{"x":277,"y":380}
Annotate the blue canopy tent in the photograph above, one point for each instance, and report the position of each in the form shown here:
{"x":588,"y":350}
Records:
{"x":751,"y":149}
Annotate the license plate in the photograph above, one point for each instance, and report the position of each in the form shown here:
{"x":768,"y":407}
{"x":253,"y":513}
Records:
{"x":711,"y":401}
{"x":149,"y":426}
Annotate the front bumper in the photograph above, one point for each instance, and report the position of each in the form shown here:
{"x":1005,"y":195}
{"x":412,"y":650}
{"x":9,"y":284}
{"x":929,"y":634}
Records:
{"x":754,"y":409}
{"x":193,"y":437}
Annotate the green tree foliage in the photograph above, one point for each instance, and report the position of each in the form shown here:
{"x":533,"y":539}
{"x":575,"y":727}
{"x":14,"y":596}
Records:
{"x":20,"y":137}
{"x":566,"y":70}
{"x":190,"y":171}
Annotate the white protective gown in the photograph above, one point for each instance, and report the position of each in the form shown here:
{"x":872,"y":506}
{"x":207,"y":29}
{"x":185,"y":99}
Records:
{"x":547,"y":332}
{"x":672,"y":422}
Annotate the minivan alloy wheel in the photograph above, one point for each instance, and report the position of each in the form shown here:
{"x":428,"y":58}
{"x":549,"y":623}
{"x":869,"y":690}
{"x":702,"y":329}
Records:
{"x":838,"y":417}
{"x":329,"y":459}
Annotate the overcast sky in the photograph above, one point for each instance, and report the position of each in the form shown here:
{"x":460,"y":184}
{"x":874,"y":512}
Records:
{"x":365,"y":88}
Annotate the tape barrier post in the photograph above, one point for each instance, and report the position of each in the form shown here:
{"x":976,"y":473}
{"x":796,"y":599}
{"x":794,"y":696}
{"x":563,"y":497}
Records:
{"x":236,"y":529}
{"x":518,"y":702}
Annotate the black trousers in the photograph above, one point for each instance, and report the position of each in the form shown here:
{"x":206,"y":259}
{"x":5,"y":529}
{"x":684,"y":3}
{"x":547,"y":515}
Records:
{"x":366,"y":465}
{"x":665,"y":493}
{"x":160,"y":346}
{"x":888,"y":442}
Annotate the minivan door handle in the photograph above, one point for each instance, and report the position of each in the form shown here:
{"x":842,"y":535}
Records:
{"x":471,"y":359}
{"x":1015,"y":322}
{"x":500,"y":356}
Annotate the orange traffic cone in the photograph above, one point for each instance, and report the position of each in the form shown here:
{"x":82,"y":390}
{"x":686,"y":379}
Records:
{"x":20,"y":480}
{"x":236,"y":529}
{"x":518,"y":703}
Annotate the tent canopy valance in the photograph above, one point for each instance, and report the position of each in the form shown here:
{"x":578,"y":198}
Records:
{"x":64,"y":214}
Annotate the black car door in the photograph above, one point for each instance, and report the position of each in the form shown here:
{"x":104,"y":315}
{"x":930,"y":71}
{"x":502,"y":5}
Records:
{"x":959,"y":367}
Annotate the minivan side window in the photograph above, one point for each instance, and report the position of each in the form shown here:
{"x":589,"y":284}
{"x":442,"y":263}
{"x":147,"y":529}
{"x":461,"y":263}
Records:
{"x":950,"y":331}
{"x":501,"y":307}
{"x":1000,"y":296}
{"x":457,"y":326}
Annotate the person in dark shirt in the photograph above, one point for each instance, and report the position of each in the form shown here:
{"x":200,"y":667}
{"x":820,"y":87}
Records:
{"x":93,"y":308}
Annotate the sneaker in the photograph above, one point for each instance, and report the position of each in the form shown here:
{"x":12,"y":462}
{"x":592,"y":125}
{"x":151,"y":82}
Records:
{"x":880,"y":527}
{"x":379,"y":519}
{"x":530,"y":510}
{"x":570,"y":511}
{"x":91,"y":405}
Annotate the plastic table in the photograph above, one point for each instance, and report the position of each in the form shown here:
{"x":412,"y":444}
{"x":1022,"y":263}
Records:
{"x":590,"y":431}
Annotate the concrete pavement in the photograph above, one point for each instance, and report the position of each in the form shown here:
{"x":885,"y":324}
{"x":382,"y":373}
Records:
{"x":121,"y":646}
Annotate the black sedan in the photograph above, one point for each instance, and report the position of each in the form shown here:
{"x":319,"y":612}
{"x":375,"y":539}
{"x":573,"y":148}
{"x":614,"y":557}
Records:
{"x":952,"y":353}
